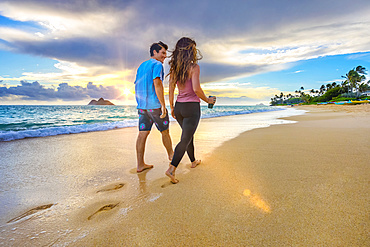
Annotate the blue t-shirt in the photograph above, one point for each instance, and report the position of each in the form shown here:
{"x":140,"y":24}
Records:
{"x":146,"y":97}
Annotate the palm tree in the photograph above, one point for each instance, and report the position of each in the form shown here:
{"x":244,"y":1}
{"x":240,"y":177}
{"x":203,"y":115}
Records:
{"x":354,"y":77}
{"x":363,"y":87}
{"x":313,"y":92}
{"x":361,"y":70}
{"x":322,"y":89}
{"x":350,"y":79}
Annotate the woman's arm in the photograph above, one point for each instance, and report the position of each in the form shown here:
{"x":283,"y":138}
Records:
{"x":195,"y":72}
{"x":171,"y":94}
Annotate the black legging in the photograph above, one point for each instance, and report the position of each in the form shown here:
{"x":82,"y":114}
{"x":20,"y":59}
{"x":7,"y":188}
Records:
{"x":187,"y":115}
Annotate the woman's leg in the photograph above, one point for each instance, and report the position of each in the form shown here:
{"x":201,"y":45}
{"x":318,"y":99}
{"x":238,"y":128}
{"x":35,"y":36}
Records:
{"x":190,"y":148}
{"x":188,"y":115}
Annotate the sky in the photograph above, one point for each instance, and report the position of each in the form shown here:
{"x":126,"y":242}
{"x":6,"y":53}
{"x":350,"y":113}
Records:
{"x":69,"y":52}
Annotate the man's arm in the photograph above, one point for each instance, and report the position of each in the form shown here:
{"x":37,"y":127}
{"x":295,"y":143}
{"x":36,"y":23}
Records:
{"x":160,"y":94}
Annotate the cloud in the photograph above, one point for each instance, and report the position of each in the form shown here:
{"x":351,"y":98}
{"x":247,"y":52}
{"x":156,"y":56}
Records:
{"x":237,"y":38}
{"x":36,"y":91}
{"x":363,"y":56}
{"x":29,"y":90}
{"x":238,"y":91}
{"x":107,"y":92}
{"x":75,"y":74}
{"x":240,"y":101}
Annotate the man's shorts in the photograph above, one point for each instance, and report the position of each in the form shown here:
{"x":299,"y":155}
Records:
{"x":148,"y":117}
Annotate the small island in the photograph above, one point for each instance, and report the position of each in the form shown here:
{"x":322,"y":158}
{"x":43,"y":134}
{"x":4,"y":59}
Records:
{"x":101,"y":101}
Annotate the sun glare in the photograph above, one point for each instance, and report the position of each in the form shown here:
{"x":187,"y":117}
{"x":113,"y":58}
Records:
{"x":126,"y":92}
{"x":257,"y":201}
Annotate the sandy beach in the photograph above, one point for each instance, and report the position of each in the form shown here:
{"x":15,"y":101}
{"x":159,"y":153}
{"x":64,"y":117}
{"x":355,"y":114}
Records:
{"x":303,"y":183}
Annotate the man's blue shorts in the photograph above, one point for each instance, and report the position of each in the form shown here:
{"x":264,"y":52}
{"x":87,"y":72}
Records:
{"x":148,"y":117}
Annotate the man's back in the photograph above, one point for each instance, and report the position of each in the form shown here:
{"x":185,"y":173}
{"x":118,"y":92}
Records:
{"x":146,"y":97}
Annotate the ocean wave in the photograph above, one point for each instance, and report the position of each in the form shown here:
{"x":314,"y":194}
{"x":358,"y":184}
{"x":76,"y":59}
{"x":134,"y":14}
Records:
{"x":212,"y":114}
{"x":82,"y":128}
{"x":74,"y":129}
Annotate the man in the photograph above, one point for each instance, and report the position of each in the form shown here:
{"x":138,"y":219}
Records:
{"x":151,"y":104}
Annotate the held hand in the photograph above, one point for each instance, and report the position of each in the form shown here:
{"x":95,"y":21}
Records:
{"x":173,"y":112}
{"x":212,"y":100}
{"x":164,"y":112}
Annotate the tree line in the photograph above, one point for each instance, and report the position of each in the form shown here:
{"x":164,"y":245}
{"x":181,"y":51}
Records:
{"x":352,"y":87}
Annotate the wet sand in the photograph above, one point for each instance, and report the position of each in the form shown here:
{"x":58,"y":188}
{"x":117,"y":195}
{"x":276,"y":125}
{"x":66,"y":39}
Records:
{"x":298,"y":184}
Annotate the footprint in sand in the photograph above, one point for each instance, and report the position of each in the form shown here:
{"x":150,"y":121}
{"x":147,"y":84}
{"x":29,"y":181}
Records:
{"x":166,"y":184}
{"x":31,"y":212}
{"x":111,"y":187}
{"x":104,"y":208}
{"x":132,"y":171}
{"x":185,"y":171}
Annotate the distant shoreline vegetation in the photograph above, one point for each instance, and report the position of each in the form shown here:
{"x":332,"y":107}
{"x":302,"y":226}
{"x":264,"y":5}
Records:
{"x":353,"y":87}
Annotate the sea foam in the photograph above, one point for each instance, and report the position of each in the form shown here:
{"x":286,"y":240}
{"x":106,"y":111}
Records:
{"x":52,"y":131}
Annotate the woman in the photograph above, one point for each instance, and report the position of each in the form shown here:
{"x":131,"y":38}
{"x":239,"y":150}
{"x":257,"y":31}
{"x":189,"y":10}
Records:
{"x":184,"y":72}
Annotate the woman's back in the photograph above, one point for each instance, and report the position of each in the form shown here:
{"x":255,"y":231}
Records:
{"x":186,"y":92}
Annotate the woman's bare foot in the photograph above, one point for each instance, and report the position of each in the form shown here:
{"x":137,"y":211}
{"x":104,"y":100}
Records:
{"x":195,"y":163}
{"x":171,"y":174}
{"x":145,"y":167}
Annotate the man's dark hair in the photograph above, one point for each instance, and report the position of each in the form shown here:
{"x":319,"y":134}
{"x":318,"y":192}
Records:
{"x":157,"y":47}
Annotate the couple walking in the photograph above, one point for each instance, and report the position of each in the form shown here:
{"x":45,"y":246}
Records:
{"x":149,"y":92}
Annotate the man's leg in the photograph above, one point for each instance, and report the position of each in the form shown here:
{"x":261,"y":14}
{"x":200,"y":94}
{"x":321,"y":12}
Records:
{"x":162,"y":125}
{"x":167,"y":143}
{"x":140,"y":150}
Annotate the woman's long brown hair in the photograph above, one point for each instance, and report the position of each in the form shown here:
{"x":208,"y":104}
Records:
{"x":182,"y":59}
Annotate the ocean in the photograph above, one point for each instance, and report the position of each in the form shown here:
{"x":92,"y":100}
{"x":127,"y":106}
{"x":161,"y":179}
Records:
{"x":25,"y":121}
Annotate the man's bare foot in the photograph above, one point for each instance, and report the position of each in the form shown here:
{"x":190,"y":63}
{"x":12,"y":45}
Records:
{"x":195,"y":163}
{"x":141,"y":169}
{"x":171,"y":174}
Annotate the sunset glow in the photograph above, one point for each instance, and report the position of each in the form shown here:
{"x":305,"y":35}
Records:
{"x":247,"y":59}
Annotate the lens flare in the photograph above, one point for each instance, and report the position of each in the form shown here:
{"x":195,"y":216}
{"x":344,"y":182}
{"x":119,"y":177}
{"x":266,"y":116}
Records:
{"x":126,"y":91}
{"x":257,"y":201}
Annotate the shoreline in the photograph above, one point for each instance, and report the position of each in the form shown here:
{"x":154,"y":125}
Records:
{"x":130,"y":120}
{"x":304,"y":183}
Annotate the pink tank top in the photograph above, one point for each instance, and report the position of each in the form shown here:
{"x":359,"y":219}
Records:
{"x":186,"y":92}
